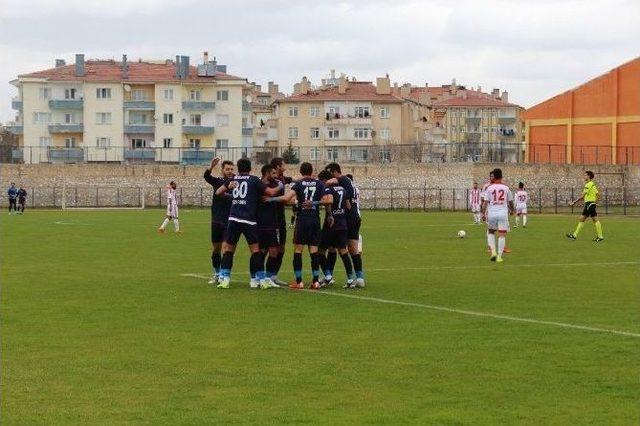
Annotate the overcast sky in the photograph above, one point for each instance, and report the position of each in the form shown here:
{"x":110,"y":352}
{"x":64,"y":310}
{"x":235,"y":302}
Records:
{"x":533,"y":49}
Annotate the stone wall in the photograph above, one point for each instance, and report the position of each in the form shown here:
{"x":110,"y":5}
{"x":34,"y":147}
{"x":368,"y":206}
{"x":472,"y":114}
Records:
{"x":415,"y":186}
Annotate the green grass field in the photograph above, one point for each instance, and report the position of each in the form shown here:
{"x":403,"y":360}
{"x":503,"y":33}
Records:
{"x":99,"y":325}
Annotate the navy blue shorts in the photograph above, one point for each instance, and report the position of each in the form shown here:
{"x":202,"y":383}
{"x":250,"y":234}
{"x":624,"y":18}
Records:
{"x":218,"y":232}
{"x":307,"y":233}
{"x":235,"y":229}
{"x":336,"y":238}
{"x":268,"y":238}
{"x":282,"y":233}
{"x":353,"y":229}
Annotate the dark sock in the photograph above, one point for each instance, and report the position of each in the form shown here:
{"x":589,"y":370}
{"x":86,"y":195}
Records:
{"x":332,"y":256}
{"x":256,"y":265}
{"x":315,"y":266}
{"x":278,"y":263}
{"x":226,"y":264}
{"x":297,"y":266}
{"x":271,"y":266}
{"x":357,"y":265}
{"x":346,"y":261}
{"x":216,"y":259}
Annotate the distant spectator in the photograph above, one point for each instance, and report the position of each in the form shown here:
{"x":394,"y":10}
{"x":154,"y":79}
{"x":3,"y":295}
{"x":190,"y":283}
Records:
{"x":13,"y":197}
{"x":22,"y":199}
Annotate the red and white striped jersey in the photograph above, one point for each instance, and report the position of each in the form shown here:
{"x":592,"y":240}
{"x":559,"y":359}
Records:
{"x":474,"y":197}
{"x":171,"y":197}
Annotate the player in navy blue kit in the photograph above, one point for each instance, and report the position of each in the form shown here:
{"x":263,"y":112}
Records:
{"x":278,"y":165}
{"x":334,"y":232}
{"x":353,"y":222}
{"x":220,"y":206}
{"x":268,"y":222}
{"x":246,"y":193}
{"x":311,"y":196}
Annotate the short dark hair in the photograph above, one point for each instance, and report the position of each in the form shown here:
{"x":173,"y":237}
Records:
{"x":590,"y":174}
{"x":521,"y":185}
{"x":244,"y":165}
{"x":497,"y":173}
{"x":324,"y":175}
{"x":333,"y":167}
{"x":277,"y":162}
{"x":266,"y":169}
{"x":226,"y":162}
{"x":349,"y":175}
{"x":306,"y":169}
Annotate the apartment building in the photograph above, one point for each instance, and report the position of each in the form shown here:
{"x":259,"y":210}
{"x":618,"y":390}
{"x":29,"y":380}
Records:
{"x":113,"y":111}
{"x":259,"y":122}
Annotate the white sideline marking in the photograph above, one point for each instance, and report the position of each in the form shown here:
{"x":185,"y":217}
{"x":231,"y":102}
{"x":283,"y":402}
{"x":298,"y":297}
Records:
{"x":457,"y":311}
{"x":61,"y":222}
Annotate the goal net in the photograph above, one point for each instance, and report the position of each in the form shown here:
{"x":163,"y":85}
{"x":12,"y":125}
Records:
{"x":102,"y":197}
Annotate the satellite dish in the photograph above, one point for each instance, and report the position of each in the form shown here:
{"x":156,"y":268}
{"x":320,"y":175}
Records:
{"x":248,"y":98}
{"x":127,"y":88}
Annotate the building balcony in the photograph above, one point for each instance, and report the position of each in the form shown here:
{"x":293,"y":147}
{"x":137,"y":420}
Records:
{"x":346,"y":120}
{"x":16,"y":129}
{"x":16,"y":104}
{"x":66,"y":128}
{"x":198,"y":130}
{"x":196,"y":156}
{"x":473,"y":119}
{"x":507,"y":133}
{"x":139,"y":128}
{"x":140,"y":105}
{"x":66,"y":104}
{"x":66,"y":155}
{"x":247,"y":131}
{"x":140,"y":154}
{"x":246,"y":106}
{"x":506,"y":120}
{"x":198,"y":105}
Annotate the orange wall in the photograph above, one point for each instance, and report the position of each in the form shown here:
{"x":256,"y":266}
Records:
{"x":592,"y":134}
{"x":628,"y":150}
{"x":547,"y":144}
{"x":556,"y":107}
{"x":629,"y":86}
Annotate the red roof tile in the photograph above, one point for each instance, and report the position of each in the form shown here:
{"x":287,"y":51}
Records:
{"x":473,"y":99}
{"x":110,"y":70}
{"x":356,"y":91}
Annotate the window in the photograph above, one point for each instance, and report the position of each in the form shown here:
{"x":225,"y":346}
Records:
{"x":167,"y":94}
{"x":138,"y":143}
{"x":167,"y":118}
{"x":44,"y":93}
{"x":45,"y":141}
{"x":385,"y":155}
{"x":222,"y":95}
{"x":333,"y":133}
{"x":332,"y":154}
{"x":222,"y":120}
{"x":293,"y":111}
{"x":334,"y":112}
{"x":137,"y":118}
{"x":315,"y":133}
{"x":69,"y":93}
{"x":138,"y":95}
{"x":385,"y":112}
{"x":103,"y":93}
{"x":103,"y":142}
{"x":359,"y":154}
{"x":195,"y":95}
{"x":167,"y":142}
{"x":69,"y":142}
{"x":384,"y":134}
{"x":195,"y":119}
{"x":314,"y":154}
{"x":361,"y":112}
{"x":68,"y":118}
{"x":463,"y":129}
{"x":293,"y":132}
{"x":194,"y":143}
{"x":361,"y":133}
{"x":485,"y":130}
{"x":41,"y":118}
{"x":314,"y":111}
{"x":222,"y":143}
{"x":103,"y":118}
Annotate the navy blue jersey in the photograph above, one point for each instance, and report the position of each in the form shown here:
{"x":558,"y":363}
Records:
{"x":220,"y":204}
{"x":245,"y":198}
{"x":22,"y":195}
{"x":338,"y":208}
{"x":308,"y":189}
{"x":280,"y":206}
{"x":13,"y":193}
{"x":268,"y":212}
{"x":350,"y":193}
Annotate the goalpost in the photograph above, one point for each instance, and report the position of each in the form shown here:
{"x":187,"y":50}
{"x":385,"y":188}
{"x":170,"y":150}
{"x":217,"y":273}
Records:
{"x":102,"y":197}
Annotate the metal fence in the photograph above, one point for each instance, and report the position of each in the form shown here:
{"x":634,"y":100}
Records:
{"x":614,"y":200}
{"x":353,"y":153}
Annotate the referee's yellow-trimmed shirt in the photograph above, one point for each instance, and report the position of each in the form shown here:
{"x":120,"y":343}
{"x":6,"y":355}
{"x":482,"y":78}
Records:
{"x":590,"y":192}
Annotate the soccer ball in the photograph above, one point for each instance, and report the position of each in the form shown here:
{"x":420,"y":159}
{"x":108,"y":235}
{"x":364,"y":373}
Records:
{"x":461,"y":234}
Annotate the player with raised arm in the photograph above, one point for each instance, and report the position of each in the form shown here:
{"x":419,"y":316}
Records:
{"x":334,"y":232}
{"x":353,"y":221}
{"x":172,"y":209}
{"x":220,"y":206}
{"x":268,"y":222}
{"x":522,"y":199}
{"x":279,"y":166}
{"x":246,"y":192}
{"x":497,"y":205}
{"x":590,"y":195}
{"x":475,"y":201}
{"x":311,"y":196}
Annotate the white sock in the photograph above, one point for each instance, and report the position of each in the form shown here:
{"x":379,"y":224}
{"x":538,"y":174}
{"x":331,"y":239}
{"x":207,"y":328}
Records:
{"x":501,"y":244}
{"x":524,"y":220}
{"x":491,"y":240}
{"x":517,"y":220}
{"x":164,"y":223}
{"x":176,"y":224}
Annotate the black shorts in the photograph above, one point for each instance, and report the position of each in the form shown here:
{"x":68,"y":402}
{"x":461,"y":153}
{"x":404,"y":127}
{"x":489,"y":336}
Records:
{"x":353,"y":229}
{"x":235,"y":229}
{"x":336,"y":238}
{"x":282,"y":233}
{"x":268,"y":238}
{"x":307,"y":233}
{"x":218,"y":232}
{"x":589,"y":209}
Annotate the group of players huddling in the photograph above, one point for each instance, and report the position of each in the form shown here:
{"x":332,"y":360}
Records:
{"x":244,"y":204}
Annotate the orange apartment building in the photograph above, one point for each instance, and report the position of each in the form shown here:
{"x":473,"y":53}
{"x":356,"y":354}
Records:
{"x":595,"y":123}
